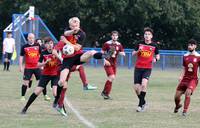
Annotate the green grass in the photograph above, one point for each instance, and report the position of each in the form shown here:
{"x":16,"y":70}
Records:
{"x":116,"y":113}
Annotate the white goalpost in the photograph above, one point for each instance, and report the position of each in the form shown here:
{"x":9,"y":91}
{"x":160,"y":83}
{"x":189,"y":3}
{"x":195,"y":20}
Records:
{"x":26,"y":23}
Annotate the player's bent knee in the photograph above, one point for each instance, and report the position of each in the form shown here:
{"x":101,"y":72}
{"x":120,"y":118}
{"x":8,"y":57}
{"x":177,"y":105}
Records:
{"x":38,"y":90}
{"x":188,"y":92}
{"x":111,"y":78}
{"x":143,"y":87}
{"x":61,"y":82}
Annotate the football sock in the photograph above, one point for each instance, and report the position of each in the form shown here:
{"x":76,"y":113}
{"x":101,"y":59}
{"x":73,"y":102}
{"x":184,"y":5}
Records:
{"x":30,"y":100}
{"x":44,"y":91}
{"x":62,"y":97}
{"x":82,"y":75}
{"x":186,"y":103}
{"x":98,"y":55}
{"x":142,"y":98}
{"x":177,"y":101}
{"x":5,"y":63}
{"x":107,"y":87}
{"x":8,"y":65}
{"x":24,"y":87}
{"x":30,"y":83}
{"x":59,"y":89}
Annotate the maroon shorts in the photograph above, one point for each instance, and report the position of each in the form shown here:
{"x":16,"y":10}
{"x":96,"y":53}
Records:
{"x":187,"y":84}
{"x":110,"y":70}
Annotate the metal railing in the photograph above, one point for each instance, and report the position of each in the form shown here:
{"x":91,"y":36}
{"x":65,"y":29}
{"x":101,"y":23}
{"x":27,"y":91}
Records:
{"x":169,"y":59}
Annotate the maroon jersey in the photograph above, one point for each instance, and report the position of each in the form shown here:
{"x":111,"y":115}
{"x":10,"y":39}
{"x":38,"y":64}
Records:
{"x":191,"y":63}
{"x":118,"y":48}
{"x":31,"y":54}
{"x":52,"y":67}
{"x":145,"y":55}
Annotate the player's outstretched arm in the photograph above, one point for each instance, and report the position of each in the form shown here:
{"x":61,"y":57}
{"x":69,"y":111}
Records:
{"x":70,"y":32}
{"x":43,"y":63}
{"x":21,"y":63}
{"x":54,"y":52}
{"x":135,"y":53}
{"x":182,"y":74}
{"x":157,"y":58}
{"x":63,"y":39}
{"x":76,"y":46}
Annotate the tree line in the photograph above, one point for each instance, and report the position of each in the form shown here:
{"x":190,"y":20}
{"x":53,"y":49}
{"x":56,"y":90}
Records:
{"x":174,"y":21}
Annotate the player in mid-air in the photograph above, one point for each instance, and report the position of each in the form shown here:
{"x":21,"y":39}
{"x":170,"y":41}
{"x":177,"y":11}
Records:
{"x":73,"y":35}
{"x":110,"y":64}
{"x":189,"y":77}
{"x":147,"y":53}
{"x":49,"y":73}
{"x":82,"y":74}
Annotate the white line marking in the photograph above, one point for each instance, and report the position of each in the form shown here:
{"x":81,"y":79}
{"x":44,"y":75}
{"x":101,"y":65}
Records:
{"x":80,"y":117}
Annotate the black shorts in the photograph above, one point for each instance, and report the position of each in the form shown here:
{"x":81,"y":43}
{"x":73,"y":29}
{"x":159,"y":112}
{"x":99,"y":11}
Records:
{"x":140,"y":73}
{"x":8,"y":55}
{"x":29,"y":72}
{"x":71,"y":61}
{"x":44,"y":80}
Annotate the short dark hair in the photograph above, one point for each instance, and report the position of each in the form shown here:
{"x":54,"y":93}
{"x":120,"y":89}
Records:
{"x":9,"y":32}
{"x":192,"y":41}
{"x":115,"y":32}
{"x":47,"y":39}
{"x":148,"y":29}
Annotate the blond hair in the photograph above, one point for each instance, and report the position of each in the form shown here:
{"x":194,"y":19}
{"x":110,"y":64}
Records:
{"x":74,"y":20}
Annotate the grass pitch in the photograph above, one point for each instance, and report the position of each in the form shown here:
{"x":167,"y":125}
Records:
{"x":117,"y":113}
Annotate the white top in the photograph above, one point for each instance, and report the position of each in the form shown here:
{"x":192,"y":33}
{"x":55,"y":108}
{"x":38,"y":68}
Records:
{"x":8,"y":44}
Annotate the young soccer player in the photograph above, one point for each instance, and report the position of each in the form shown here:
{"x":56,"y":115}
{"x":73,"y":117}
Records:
{"x":43,"y":48}
{"x":145,"y":52}
{"x":73,"y":36}
{"x":189,"y":77}
{"x":49,"y":73}
{"x":31,"y":53}
{"x":110,"y":64}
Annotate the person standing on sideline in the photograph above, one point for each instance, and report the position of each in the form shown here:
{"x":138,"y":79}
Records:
{"x":110,"y":64}
{"x":8,"y":49}
{"x":189,"y":77}
{"x":147,"y":53}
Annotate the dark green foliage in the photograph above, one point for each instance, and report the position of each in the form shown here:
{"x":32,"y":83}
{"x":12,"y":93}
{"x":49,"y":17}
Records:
{"x":173,"y":21}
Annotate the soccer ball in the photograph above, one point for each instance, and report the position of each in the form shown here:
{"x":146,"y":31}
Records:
{"x":68,"y":49}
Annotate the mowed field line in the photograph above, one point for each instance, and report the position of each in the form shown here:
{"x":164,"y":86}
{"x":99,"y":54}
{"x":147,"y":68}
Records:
{"x":79,"y":116}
